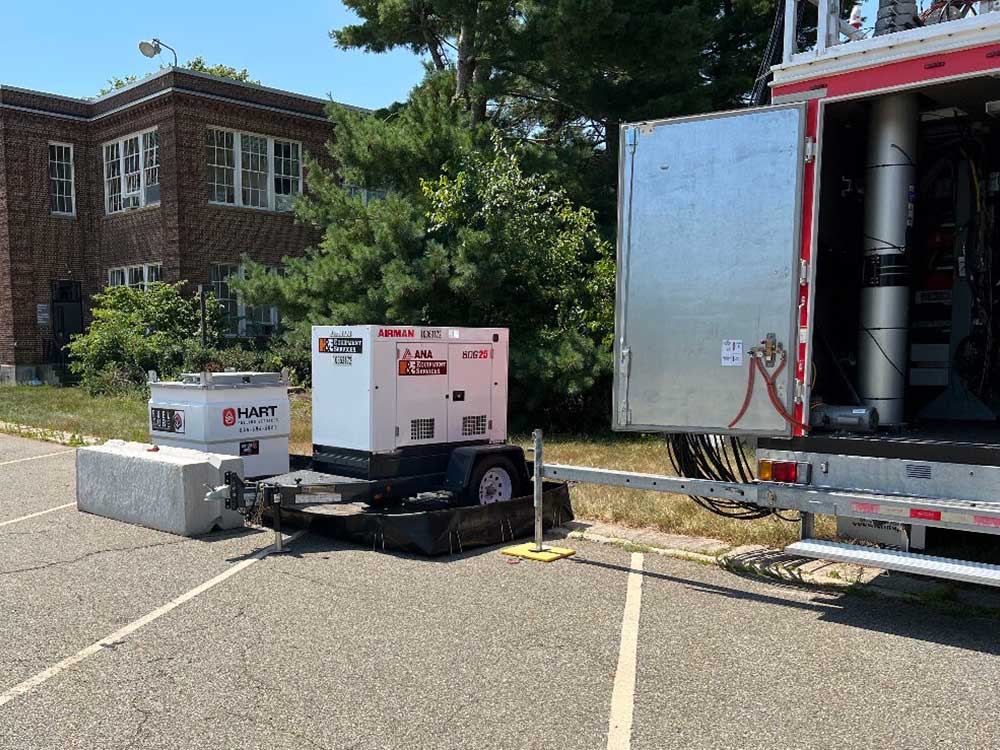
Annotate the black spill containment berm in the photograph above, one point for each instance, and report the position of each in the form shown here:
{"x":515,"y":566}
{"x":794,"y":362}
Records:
{"x":436,"y":528}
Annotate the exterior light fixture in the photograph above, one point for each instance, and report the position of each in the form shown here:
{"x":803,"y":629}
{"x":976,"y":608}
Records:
{"x":154,"y":47}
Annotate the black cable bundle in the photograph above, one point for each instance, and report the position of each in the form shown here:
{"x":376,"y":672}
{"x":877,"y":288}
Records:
{"x":706,"y":457}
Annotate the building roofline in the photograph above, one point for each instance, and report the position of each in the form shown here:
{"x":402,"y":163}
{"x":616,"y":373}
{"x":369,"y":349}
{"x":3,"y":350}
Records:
{"x":49,"y":94}
{"x":105,"y":98}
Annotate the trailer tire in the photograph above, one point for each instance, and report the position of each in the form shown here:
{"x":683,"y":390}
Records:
{"x":493,"y":480}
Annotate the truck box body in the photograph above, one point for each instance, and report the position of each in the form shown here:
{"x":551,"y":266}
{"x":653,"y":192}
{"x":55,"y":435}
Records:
{"x":745,"y":233}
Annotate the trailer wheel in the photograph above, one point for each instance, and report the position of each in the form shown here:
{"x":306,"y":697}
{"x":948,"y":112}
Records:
{"x":493,"y":481}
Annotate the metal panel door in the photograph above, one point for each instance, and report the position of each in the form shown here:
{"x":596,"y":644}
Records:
{"x":709,"y":232}
{"x":470,"y":384}
{"x":421,"y":391}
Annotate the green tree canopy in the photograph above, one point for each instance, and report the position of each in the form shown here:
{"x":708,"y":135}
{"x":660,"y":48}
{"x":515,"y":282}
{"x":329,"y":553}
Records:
{"x":563,"y":74}
{"x":464,"y":236}
{"x":500,"y":172}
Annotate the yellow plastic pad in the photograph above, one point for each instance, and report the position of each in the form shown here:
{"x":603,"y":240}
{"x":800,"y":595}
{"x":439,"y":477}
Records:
{"x":548,"y":554}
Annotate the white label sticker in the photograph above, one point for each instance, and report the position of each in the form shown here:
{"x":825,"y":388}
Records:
{"x":732,"y":353}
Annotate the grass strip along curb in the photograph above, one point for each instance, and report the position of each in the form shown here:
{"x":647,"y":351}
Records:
{"x":47,"y":435}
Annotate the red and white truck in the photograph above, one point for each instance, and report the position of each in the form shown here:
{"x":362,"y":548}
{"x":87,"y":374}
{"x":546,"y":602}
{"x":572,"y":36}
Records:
{"x":815,"y":280}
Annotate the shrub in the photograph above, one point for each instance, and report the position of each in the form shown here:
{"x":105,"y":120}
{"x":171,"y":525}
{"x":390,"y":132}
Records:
{"x":259,"y":356}
{"x":134,"y":331}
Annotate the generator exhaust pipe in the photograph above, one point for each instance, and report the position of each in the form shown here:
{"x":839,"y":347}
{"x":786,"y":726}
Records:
{"x":885,"y":293}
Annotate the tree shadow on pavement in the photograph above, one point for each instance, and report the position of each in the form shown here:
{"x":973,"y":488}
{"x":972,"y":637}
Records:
{"x":856,"y":608}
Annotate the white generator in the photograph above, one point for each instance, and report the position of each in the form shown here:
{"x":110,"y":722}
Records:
{"x":383,"y":389}
{"x":399,"y":411}
{"x":242,"y":414}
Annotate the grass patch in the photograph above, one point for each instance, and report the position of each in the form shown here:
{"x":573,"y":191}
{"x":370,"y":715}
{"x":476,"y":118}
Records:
{"x":300,"y":438}
{"x":72,"y":410}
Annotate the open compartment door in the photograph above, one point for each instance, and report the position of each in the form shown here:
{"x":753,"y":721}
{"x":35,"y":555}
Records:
{"x":710,"y":211}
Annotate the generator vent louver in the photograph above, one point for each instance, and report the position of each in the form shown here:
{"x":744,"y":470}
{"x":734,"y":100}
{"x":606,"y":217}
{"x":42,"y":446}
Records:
{"x":422,"y":429}
{"x":918,"y":471}
{"x":475,"y":425}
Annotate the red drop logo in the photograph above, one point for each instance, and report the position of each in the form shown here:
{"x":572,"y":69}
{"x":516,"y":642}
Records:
{"x":229,"y":417}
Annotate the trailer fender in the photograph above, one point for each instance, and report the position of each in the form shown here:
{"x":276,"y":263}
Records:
{"x":463,"y":461}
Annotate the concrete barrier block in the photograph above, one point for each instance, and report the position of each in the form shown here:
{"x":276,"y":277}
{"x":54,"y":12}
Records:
{"x":163,"y":489}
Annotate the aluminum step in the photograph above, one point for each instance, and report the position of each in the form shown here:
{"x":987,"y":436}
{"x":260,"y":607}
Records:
{"x":905,"y":562}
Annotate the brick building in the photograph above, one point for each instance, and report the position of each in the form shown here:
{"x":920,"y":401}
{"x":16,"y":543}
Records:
{"x":175,"y":177}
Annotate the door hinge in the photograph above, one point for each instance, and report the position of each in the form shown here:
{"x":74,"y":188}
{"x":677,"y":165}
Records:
{"x":810,"y":149}
{"x":631,"y":138}
{"x":799,"y":391}
{"x":397,"y":430}
{"x":625,"y":362}
{"x":624,"y":367}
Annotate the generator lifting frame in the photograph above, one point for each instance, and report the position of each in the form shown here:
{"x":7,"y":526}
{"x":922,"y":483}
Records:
{"x":959,"y":515}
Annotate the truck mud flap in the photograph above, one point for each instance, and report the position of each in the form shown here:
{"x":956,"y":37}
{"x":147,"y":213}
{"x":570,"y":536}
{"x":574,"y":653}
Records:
{"x":449,"y":530}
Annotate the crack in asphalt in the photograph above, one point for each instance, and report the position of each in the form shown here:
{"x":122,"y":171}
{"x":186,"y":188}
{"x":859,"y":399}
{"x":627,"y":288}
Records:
{"x":94,"y":553}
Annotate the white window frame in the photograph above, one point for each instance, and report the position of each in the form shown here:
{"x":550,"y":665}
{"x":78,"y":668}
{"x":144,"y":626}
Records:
{"x":241,"y":307}
{"x":125,"y":270}
{"x":143,"y":170}
{"x":367,"y":195}
{"x":72,"y":177}
{"x":238,"y":170}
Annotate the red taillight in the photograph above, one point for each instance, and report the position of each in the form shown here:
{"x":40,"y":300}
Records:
{"x":783,"y":471}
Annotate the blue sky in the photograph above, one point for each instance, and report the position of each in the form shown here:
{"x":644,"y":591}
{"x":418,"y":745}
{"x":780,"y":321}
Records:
{"x":71,"y":48}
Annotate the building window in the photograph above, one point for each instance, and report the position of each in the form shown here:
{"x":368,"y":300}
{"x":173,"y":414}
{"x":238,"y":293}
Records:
{"x":137,"y":277}
{"x":287,"y":174}
{"x":226,"y":297}
{"x":253,"y":171}
{"x":112,"y":178}
{"x":241,"y":319}
{"x":62,"y":190}
{"x":132,"y":172}
{"x":151,"y":165}
{"x":221,"y":167}
{"x":366,"y":195}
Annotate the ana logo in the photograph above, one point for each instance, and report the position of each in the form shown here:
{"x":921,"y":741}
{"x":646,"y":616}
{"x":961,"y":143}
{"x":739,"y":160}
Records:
{"x":229,"y":416}
{"x":396,"y":333}
{"x":417,"y":354}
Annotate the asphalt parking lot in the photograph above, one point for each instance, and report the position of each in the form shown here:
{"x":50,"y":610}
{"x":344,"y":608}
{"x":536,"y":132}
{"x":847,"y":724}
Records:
{"x":116,"y":636}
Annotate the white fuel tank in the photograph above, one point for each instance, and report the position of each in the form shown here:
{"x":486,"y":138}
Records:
{"x":244,"y":414}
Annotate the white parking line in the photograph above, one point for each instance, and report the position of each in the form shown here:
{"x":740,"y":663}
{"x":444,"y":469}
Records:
{"x":33,"y":458}
{"x":36,"y":515}
{"x":122,"y":633}
{"x":623,"y":693}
